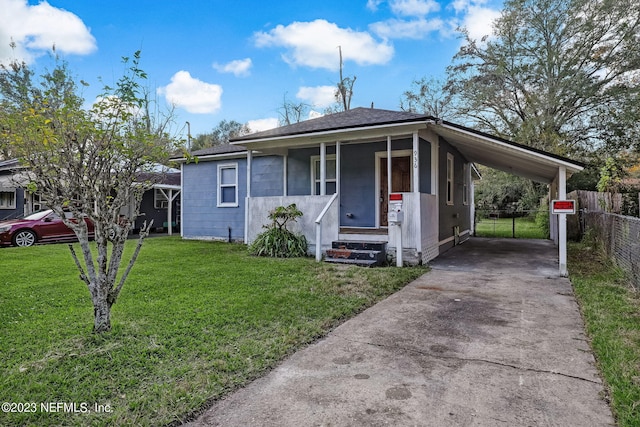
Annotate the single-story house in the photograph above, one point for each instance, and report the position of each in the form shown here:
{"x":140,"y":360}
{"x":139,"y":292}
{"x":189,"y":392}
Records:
{"x":346,"y":172}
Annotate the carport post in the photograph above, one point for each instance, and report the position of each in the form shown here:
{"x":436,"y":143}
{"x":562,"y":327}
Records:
{"x":562,"y":222}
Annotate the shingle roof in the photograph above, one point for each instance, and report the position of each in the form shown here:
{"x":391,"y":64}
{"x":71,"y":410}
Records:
{"x":219,"y":149}
{"x":357,"y":117}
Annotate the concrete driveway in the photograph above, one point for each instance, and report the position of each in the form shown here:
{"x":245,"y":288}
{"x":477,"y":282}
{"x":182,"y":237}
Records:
{"x":491,"y":336}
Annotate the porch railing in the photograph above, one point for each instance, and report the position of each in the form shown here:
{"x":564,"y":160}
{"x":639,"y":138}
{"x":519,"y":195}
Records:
{"x":319,"y":226}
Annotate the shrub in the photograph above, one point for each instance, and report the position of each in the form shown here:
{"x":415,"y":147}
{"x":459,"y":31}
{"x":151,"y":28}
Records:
{"x":278,"y":241}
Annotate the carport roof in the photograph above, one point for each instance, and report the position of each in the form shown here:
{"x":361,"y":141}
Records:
{"x":367,"y":123}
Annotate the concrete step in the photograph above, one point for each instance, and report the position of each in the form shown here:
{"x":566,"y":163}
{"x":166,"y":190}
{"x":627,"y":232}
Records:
{"x":360,"y":245}
{"x":360,"y":262}
{"x":357,"y":252}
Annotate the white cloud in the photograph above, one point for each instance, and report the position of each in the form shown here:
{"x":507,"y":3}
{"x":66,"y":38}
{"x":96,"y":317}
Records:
{"x":478,"y":20}
{"x":413,"y":7}
{"x":373,"y":4}
{"x":315,"y":114}
{"x":317,"y":96}
{"x":35,"y":29}
{"x":262,"y":124}
{"x":238,"y":67}
{"x":413,"y":29}
{"x":315,"y":44}
{"x":192,"y":94}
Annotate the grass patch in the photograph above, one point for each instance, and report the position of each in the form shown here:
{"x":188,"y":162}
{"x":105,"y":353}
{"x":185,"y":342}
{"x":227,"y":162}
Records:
{"x":525,"y":228}
{"x":195,"y":321}
{"x":611,"y":312}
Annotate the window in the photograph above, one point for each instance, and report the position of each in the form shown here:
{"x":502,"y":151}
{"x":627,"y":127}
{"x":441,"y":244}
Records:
{"x":330,"y":172}
{"x":160,"y":200}
{"x":228,"y":185}
{"x":449,"y":179}
{"x":465,"y":185}
{"x":7,"y":199}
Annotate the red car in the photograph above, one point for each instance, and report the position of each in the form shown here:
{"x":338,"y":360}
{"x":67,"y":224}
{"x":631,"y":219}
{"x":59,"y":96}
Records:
{"x":39,"y":227}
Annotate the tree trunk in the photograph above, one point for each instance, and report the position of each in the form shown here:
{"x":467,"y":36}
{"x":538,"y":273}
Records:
{"x":102,"y":317}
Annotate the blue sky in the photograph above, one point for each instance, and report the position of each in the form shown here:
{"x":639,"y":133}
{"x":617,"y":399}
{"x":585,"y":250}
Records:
{"x":237,"y":60}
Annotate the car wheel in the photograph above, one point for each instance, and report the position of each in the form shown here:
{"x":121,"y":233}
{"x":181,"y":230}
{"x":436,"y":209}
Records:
{"x":24,"y":238}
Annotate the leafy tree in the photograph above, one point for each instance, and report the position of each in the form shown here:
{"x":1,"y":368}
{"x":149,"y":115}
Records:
{"x":86,"y":162}
{"x":220,"y":135}
{"x":551,"y":70}
{"x":502,"y":191}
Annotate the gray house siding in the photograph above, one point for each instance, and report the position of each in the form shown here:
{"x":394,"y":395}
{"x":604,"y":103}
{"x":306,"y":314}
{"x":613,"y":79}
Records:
{"x":457,"y":214}
{"x":357,"y":177}
{"x":202,"y":217}
{"x":149,"y":212}
{"x":267,"y":176}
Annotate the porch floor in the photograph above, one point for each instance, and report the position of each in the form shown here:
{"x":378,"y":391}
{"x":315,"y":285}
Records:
{"x":364,"y":234}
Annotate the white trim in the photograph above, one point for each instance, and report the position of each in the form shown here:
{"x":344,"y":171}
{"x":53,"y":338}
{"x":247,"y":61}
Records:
{"x":466,"y":177}
{"x":314,"y":160}
{"x":182,"y":205}
{"x":447,"y":240}
{"x":364,"y":132}
{"x":384,"y":155}
{"x":552,"y":160}
{"x":450,"y":176}
{"x":220,"y":203}
{"x":14,"y":204}
{"x":415,"y":162}
{"x":164,"y":203}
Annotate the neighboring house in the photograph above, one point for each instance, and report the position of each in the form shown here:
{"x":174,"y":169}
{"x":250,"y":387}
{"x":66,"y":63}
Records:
{"x":340,"y":171}
{"x":159,"y":203}
{"x":16,"y":201}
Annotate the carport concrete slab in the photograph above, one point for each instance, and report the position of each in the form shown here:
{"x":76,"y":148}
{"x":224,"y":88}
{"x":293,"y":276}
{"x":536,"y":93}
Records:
{"x":491,"y":336}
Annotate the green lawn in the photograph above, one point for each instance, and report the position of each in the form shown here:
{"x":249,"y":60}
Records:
{"x":611,"y":312}
{"x":525,"y":228}
{"x":195,"y":321}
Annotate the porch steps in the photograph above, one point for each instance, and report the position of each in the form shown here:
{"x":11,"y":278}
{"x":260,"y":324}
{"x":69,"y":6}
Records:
{"x":363,"y":253}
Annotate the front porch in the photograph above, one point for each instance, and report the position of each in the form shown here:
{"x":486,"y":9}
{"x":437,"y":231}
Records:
{"x":320,"y":224}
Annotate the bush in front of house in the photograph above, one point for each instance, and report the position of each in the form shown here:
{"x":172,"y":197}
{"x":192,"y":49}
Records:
{"x":277,"y":240}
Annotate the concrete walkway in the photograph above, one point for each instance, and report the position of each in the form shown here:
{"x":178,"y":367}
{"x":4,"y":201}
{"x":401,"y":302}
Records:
{"x":491,"y":336}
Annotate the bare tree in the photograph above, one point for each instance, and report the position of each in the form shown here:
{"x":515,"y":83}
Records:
{"x":86,"y":162}
{"x":290,"y":112}
{"x":344,"y":93}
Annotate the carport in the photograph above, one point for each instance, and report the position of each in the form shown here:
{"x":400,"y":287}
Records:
{"x":521,"y":160}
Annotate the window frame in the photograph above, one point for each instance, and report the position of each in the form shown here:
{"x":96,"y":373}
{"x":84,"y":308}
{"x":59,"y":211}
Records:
{"x":221,"y":186}
{"x":465,"y":185}
{"x":164,"y":201}
{"x":13,"y":204}
{"x":450,"y":179}
{"x":316,"y":160}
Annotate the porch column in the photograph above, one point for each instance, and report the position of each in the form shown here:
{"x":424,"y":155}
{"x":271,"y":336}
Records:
{"x":248,"y":196}
{"x":181,"y":188}
{"x":416,"y":163}
{"x":170,"y":212}
{"x":562,"y":222}
{"x":389,"y":181}
{"x":323,"y":169}
{"x":337,"y":166}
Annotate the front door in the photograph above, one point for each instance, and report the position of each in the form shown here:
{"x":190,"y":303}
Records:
{"x":400,"y":182}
